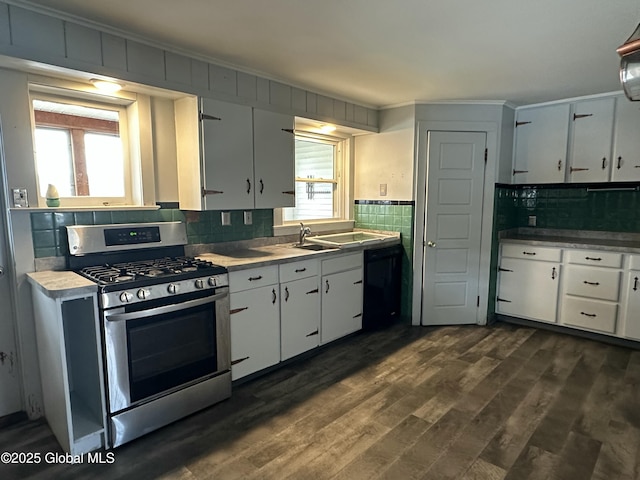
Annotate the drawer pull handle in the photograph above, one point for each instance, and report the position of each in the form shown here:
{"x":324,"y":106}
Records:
{"x":553,"y":273}
{"x":286,"y":294}
{"x":500,"y":269}
{"x":595,"y":284}
{"x":635,"y":284}
{"x":312,"y":291}
{"x":253,"y":279}
{"x":235,"y":362}
{"x":237,"y":310}
{"x":592,"y":315}
{"x":315,"y":332}
{"x":274,"y":297}
{"x":503,"y":300}
{"x":595,"y":259}
{"x":298,"y":270}
{"x":528,"y":253}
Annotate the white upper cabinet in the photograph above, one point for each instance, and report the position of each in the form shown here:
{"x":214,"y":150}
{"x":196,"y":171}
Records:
{"x":273,"y":159}
{"x":592,"y":133}
{"x":541,"y":144}
{"x":233,"y":157}
{"x":626,"y":141}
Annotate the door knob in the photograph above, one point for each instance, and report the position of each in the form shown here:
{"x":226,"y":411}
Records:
{"x":431,"y":244}
{"x":1,"y":271}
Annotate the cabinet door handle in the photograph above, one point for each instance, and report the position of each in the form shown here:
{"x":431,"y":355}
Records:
{"x":316,"y":290}
{"x":274,"y":297}
{"x":635,"y":283}
{"x":553,"y":273}
{"x":211,"y":192}
{"x":235,"y":362}
{"x":298,"y":270}
{"x":503,"y":300}
{"x":261,"y":186}
{"x":204,"y":116}
{"x":238,"y":310}
{"x":252,"y":279}
{"x":604,"y":162}
{"x":595,"y":284}
{"x":358,"y":315}
{"x":528,"y":253}
{"x":315,"y":332}
{"x":559,"y":165}
{"x":326,"y":288}
{"x":357,"y":282}
{"x":595,"y":259}
{"x":500,"y":269}
{"x":588,"y":314}
{"x":286,"y":294}
{"x":619,"y":166}
{"x":248,"y":186}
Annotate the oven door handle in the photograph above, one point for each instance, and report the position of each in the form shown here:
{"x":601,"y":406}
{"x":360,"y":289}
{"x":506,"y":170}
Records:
{"x":119,"y":317}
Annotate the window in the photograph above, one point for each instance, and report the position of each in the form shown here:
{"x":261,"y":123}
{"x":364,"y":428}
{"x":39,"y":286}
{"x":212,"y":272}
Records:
{"x":80,"y":148}
{"x":318,"y":188}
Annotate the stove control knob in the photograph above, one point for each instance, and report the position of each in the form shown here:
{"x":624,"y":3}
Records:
{"x":199,"y":283}
{"x":142,"y":294}
{"x":126,"y":297}
{"x":172,"y":288}
{"x":212,"y":281}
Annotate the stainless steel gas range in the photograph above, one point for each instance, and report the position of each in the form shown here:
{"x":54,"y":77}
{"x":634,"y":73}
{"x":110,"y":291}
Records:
{"x":164,"y":321}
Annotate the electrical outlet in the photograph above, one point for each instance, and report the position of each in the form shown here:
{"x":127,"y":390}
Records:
{"x":226,"y":218}
{"x":248,"y":217}
{"x":383,"y":189}
{"x":20,"y":197}
{"x":532,"y":220}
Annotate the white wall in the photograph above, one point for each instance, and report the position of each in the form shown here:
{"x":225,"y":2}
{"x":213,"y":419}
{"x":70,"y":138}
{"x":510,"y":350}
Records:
{"x":387,"y":157}
{"x":164,"y":149}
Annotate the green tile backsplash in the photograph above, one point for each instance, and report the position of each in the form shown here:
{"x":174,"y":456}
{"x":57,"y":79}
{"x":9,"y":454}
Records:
{"x":565,"y":207}
{"x":49,"y":238}
{"x":393,"y":218}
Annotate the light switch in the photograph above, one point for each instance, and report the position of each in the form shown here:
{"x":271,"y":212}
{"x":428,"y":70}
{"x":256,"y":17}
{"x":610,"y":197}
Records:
{"x":383,"y":189}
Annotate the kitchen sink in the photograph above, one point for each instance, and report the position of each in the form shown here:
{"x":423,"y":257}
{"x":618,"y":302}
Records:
{"x":348,"y":239}
{"x":311,"y":246}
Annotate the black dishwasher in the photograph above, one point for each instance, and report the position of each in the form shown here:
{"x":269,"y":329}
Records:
{"x":382,"y":281}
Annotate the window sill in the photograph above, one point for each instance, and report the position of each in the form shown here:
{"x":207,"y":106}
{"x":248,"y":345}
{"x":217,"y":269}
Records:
{"x":316,"y":227}
{"x":84,"y":209}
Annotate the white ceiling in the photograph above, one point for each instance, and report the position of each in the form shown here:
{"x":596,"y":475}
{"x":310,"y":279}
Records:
{"x":388,"y":52}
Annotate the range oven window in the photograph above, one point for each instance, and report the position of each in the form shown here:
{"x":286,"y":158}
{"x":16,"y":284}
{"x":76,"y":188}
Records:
{"x":169,"y":350}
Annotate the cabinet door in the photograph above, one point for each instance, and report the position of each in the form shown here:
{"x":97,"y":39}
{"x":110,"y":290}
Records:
{"x":626,"y":142}
{"x":590,"y":152}
{"x":632,"y":315}
{"x":255,"y":330}
{"x":341,"y":304}
{"x":541,"y":144}
{"x":528,"y":289}
{"x":227,"y":151}
{"x":274,"y":159}
{"x":299,"y":316}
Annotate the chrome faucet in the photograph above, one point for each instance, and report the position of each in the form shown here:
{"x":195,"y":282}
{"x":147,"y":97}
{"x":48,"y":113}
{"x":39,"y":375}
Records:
{"x":304,"y":231}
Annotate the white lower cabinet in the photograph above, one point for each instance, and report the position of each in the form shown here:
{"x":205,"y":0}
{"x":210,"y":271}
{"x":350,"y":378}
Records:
{"x":299,"y":316}
{"x":529,"y":288}
{"x":341,"y":287}
{"x":589,"y":314}
{"x":632,"y":310}
{"x":255,"y":321}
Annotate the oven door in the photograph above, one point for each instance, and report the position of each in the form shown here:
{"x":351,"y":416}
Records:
{"x":150,"y":353}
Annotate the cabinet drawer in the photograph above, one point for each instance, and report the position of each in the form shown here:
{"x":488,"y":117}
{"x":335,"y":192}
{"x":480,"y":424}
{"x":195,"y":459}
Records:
{"x":592,"y":282}
{"x":591,"y":314}
{"x":341,"y":263}
{"x":534,"y":253}
{"x":634,"y":262}
{"x":253,"y":278}
{"x":596,"y":258}
{"x":296,"y":270}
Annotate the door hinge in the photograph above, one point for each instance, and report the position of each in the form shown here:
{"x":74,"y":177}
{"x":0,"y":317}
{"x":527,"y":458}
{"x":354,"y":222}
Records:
{"x":478,"y":301}
{"x":576,"y":116}
{"x":204,"y":116}
{"x":486,"y":154}
{"x":518,"y":124}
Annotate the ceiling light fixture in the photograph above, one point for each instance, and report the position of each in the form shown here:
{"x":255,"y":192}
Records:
{"x":106,"y":86}
{"x":629,"y":53}
{"x":327,"y":128}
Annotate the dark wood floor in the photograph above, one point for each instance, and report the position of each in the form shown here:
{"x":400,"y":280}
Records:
{"x":500,"y":402}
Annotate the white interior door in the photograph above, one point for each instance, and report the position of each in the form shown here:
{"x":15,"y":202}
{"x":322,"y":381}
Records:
{"x":453,"y":219}
{"x":10,"y":398}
